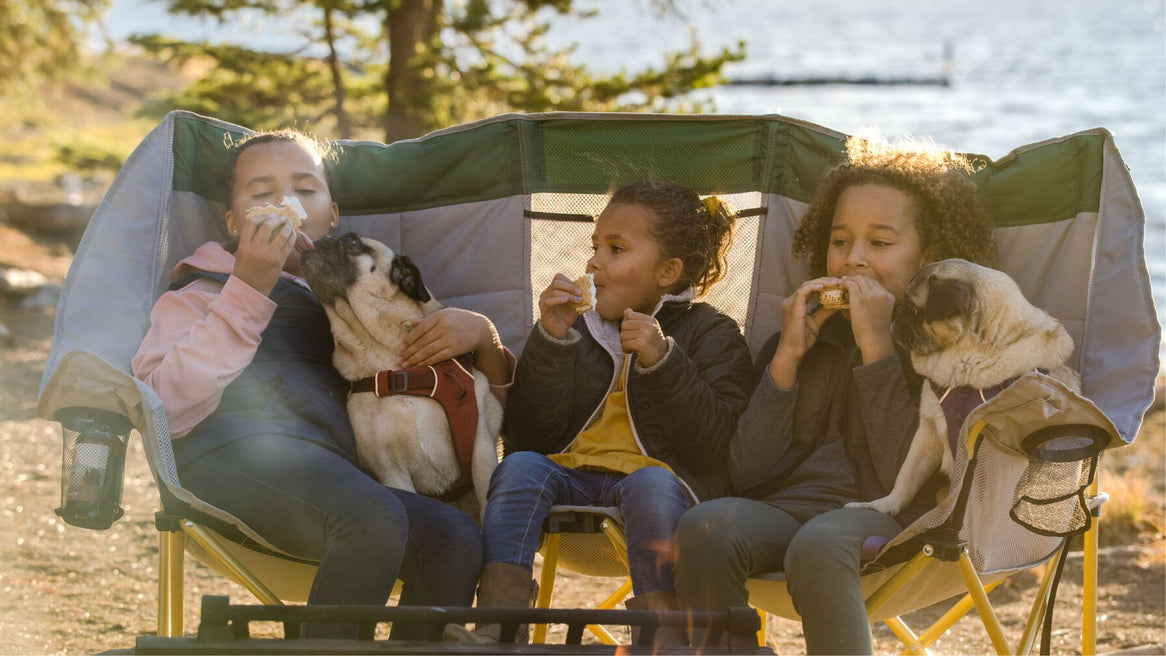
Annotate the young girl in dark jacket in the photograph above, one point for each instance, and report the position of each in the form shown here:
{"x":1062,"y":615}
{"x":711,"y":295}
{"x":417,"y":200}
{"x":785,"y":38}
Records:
{"x":630,"y":404}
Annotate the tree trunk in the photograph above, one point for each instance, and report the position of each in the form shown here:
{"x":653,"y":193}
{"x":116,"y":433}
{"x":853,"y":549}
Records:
{"x":343,"y":125}
{"x":412,"y":27}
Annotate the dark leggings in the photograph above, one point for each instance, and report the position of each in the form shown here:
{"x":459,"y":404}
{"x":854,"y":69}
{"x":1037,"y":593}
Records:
{"x":314,"y":504}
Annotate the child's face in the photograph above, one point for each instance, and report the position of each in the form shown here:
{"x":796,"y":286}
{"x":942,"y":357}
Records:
{"x":873,"y":234}
{"x":267,"y":172}
{"x":628,"y":265}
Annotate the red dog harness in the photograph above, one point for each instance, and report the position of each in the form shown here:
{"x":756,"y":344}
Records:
{"x":451,"y":384}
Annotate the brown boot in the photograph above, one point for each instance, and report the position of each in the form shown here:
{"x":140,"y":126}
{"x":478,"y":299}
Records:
{"x":659,"y":600}
{"x":502,"y":586}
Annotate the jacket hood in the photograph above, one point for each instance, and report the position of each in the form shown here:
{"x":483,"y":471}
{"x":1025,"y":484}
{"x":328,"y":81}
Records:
{"x":210,"y":257}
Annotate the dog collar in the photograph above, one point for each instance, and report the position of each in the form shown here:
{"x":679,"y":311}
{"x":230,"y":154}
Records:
{"x":958,"y":402}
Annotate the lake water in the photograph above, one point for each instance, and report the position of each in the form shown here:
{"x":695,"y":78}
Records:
{"x":1021,"y":71}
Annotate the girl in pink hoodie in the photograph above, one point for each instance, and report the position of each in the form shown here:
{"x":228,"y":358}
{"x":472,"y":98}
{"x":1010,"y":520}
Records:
{"x":240,"y":352}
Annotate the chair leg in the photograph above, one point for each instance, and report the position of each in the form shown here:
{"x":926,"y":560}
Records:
{"x":953,"y":615}
{"x":983,"y":606}
{"x":230,"y":563}
{"x":171,"y":606}
{"x":1089,"y":577}
{"x":896,"y":582}
{"x":546,"y":585}
{"x":1040,"y":606}
{"x":905,"y":635}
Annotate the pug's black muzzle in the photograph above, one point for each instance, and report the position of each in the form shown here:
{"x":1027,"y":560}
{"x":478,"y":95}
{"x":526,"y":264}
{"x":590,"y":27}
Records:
{"x":328,"y":267}
{"x":907,"y":327}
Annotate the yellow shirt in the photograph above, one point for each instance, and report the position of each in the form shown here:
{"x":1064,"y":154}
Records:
{"x":608,"y":444}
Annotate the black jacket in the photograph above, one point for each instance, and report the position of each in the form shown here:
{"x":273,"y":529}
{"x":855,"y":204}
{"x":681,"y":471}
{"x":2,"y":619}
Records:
{"x":683,"y":410}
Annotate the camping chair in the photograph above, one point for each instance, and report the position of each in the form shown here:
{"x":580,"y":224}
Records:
{"x":511,"y":199}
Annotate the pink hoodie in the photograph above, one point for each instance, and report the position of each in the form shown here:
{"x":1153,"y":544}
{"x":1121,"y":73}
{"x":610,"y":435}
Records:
{"x":201,"y":338}
{"x":204,"y":335}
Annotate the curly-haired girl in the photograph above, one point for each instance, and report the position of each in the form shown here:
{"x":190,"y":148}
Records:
{"x":835,"y":405}
{"x":634,"y":400}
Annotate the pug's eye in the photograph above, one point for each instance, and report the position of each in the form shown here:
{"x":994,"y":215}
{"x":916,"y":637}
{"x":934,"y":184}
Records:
{"x":350,"y":240}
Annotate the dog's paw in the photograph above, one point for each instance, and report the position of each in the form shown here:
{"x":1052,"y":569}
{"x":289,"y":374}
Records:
{"x":885,"y":505}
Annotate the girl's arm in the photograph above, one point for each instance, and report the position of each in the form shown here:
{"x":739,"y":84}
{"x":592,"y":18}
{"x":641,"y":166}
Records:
{"x":698,"y":395}
{"x":539,"y":404}
{"x":451,"y":332}
{"x":201,"y":337}
{"x":890,"y":415}
{"x":765,"y":431}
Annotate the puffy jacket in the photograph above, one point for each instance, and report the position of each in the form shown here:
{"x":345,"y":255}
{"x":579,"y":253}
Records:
{"x":683,"y":410}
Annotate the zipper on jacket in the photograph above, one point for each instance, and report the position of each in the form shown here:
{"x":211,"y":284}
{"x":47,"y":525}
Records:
{"x":616,"y":365}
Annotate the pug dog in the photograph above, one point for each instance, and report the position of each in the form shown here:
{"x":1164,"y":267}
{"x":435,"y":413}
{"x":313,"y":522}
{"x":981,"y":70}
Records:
{"x":966,"y":326}
{"x":372,"y":296}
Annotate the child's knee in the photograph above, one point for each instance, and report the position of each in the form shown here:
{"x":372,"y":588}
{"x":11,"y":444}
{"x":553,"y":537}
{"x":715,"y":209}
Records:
{"x":653,"y":481}
{"x":704,"y":532}
{"x":816,"y":553}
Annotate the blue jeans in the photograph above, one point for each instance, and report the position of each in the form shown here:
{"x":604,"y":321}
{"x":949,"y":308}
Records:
{"x":526,"y":484}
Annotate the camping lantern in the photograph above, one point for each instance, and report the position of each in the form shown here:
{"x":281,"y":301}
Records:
{"x":92,"y":463}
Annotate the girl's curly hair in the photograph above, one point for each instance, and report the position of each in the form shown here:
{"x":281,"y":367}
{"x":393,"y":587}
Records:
{"x":699,"y":233}
{"x":948,"y":214}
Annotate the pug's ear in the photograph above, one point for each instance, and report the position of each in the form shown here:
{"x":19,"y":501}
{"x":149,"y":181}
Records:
{"x":947,"y":298}
{"x":407,"y":277}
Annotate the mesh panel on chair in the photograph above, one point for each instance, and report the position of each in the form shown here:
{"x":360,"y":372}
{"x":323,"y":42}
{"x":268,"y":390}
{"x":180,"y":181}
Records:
{"x":560,"y":237}
{"x":1050,"y":495}
{"x":590,"y":554}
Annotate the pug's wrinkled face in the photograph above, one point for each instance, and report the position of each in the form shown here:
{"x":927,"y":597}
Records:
{"x":351,"y":265}
{"x":939,"y":307}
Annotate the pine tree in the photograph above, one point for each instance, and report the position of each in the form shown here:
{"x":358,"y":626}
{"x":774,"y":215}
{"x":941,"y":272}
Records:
{"x":407,"y":67}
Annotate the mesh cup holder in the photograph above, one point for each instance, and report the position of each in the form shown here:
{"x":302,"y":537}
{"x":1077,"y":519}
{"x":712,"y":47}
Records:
{"x":1050,"y":495}
{"x":92,"y":464}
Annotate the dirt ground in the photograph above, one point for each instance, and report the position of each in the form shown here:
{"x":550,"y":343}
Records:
{"x":74,"y":591}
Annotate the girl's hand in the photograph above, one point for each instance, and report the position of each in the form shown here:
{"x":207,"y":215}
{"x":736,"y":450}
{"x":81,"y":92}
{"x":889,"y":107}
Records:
{"x":641,"y":334}
{"x":872,"y":308}
{"x":446,"y":334}
{"x":264,"y":245}
{"x":451,"y":332}
{"x":799,"y":331}
{"x":555,"y":312}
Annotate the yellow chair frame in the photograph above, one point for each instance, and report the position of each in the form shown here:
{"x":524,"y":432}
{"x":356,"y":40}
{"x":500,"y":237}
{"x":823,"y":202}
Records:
{"x":976,"y":597}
